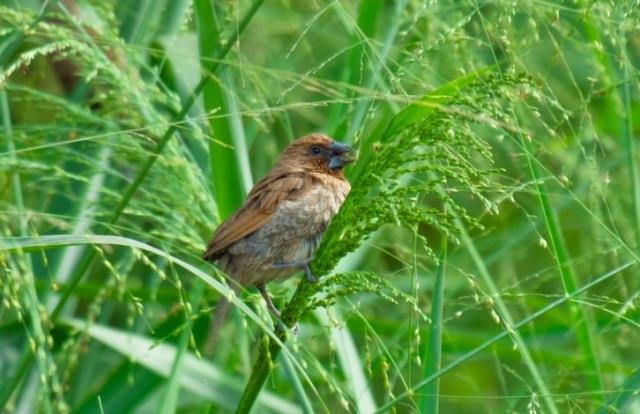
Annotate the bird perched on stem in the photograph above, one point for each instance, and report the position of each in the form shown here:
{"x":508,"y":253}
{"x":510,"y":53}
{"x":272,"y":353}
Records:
{"x":275,"y":232}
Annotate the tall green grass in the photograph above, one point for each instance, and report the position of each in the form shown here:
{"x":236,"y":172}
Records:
{"x":485,"y":260}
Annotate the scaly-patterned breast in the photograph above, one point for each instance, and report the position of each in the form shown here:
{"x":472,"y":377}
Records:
{"x":307,"y":216}
{"x":293,"y":232}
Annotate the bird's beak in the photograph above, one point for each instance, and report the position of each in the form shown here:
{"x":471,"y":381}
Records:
{"x":341,"y":154}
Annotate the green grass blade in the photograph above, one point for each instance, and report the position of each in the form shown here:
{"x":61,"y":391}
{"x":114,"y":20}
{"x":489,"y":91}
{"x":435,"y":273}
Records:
{"x":433,"y":352}
{"x":303,"y":399}
{"x":196,"y":376}
{"x":11,"y":384}
{"x":29,"y":244}
{"x":173,"y":17}
{"x":16,"y":184}
{"x":229,"y":165}
{"x":629,"y":145}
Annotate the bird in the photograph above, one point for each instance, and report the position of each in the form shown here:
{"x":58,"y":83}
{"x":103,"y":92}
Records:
{"x":276,"y":231}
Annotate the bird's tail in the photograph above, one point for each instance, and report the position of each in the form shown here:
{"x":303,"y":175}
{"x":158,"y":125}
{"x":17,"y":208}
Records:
{"x":219,"y":317}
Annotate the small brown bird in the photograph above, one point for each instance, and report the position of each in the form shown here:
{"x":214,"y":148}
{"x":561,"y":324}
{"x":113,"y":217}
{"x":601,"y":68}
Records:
{"x":275,"y":232}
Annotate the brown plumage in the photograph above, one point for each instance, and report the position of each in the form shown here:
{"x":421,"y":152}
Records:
{"x":276,"y":231}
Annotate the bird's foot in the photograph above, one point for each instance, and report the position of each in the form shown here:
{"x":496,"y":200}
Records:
{"x":281,"y":327}
{"x":307,"y":273}
{"x":304,"y":265}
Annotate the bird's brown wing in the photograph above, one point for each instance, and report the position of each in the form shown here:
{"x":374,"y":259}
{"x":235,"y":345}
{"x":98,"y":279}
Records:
{"x":261,"y":203}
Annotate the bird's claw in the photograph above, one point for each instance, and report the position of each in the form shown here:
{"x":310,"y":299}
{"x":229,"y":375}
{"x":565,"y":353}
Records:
{"x":308,"y":275}
{"x":295,"y":330}
{"x":281,"y":327}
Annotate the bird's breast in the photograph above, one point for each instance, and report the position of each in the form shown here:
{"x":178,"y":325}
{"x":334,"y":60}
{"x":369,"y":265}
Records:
{"x":291,"y":235}
{"x":308,"y":215}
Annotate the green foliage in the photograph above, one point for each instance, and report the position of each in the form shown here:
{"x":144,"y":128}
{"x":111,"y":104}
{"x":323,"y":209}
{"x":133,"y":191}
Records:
{"x":432,"y":156}
{"x":505,"y":131}
{"x":349,"y":283}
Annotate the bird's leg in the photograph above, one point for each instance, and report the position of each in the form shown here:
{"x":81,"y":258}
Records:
{"x":263,"y":291}
{"x":280,"y":325}
{"x":298,"y":265}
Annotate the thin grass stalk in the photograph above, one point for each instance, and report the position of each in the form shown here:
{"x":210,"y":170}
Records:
{"x":296,"y":384}
{"x":169,"y":403}
{"x":630,"y":150}
{"x":375,"y":75}
{"x":591,"y":31}
{"x":269,"y":350}
{"x":585,"y":327}
{"x":506,"y":318}
{"x":488,"y":343}
{"x":16,"y":185}
{"x":433,"y":354}
{"x":71,"y":256}
{"x":368,"y":16}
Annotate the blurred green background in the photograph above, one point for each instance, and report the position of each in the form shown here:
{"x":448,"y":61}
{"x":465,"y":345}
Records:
{"x":114,"y":174}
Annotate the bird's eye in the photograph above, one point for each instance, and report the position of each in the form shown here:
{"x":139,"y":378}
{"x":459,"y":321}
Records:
{"x":315,"y":150}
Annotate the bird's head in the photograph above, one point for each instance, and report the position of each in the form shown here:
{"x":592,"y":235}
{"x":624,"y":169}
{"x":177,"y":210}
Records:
{"x":318,"y":153}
